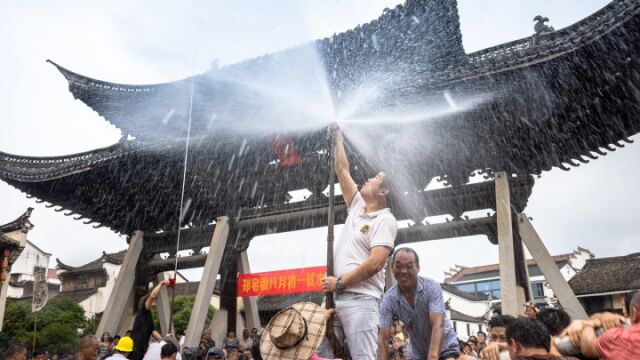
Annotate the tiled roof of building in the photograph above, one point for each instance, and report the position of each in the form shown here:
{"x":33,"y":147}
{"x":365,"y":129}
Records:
{"x":458,"y":316}
{"x":618,"y":273}
{"x":113,"y":258}
{"x":462,"y":273}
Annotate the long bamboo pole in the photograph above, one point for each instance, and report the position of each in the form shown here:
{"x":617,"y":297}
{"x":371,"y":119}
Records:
{"x":338,"y":349}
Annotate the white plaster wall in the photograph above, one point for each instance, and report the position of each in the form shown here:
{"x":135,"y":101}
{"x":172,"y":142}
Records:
{"x":28,"y":259}
{"x":461,"y":329}
{"x":465,"y":306}
{"x":14,"y":292}
{"x":580,"y":259}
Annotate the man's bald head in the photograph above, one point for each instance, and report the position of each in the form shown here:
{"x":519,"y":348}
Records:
{"x":88,"y":347}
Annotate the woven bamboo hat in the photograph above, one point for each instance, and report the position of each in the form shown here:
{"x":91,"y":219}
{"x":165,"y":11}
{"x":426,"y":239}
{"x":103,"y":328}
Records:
{"x":294,"y":333}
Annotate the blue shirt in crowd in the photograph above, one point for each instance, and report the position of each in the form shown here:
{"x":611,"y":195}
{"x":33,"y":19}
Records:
{"x":428,"y":299}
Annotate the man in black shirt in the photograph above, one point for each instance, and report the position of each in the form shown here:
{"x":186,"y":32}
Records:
{"x":143,"y":323}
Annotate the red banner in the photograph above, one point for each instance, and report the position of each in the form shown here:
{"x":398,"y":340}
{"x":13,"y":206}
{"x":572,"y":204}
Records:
{"x":290,"y":281}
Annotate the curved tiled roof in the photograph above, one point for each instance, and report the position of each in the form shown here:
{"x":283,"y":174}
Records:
{"x":458,"y":316}
{"x":558,"y":99}
{"x":619,"y":273}
{"x":96,"y":265}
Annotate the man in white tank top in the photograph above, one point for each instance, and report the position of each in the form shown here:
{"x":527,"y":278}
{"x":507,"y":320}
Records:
{"x":360,"y":254}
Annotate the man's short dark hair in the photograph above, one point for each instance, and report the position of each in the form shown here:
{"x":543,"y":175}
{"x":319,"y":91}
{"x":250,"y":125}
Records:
{"x":168,"y":350}
{"x":406,"y":249}
{"x":530,"y":333}
{"x":555,"y":320}
{"x":15,"y":349}
{"x":501,"y":321}
{"x":482,"y":332}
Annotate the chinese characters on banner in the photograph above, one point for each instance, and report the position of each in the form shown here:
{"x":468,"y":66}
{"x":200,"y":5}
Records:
{"x":290,"y":281}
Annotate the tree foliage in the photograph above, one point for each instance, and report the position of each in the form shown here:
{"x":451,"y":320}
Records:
{"x":182,"y":307}
{"x":59,"y":325}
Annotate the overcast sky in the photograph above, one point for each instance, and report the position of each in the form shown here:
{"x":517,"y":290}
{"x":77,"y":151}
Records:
{"x":594,"y":206}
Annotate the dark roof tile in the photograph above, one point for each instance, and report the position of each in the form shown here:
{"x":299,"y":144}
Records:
{"x":603,"y":275}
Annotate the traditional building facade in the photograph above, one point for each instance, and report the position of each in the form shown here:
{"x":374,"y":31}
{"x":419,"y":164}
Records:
{"x":90,"y":284}
{"x":603,"y":283}
{"x":21,"y":279}
{"x":13,"y":239}
{"x":485,"y":279}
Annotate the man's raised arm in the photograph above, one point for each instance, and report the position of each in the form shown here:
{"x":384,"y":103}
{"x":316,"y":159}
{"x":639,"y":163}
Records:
{"x":154,"y":294}
{"x":347,"y":185}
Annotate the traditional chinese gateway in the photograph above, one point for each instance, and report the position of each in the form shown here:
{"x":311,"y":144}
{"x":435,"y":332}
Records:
{"x":558,"y":99}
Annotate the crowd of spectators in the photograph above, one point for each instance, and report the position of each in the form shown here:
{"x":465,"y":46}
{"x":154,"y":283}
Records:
{"x":547,"y":334}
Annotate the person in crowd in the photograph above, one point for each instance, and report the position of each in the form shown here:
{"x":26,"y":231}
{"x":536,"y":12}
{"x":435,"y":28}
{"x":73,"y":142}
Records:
{"x":417,"y":302}
{"x":154,"y":350}
{"x":399,"y":332}
{"x":169,"y":351}
{"x":482,"y":341}
{"x":232,"y":353}
{"x":203,"y":348}
{"x":106,"y":346}
{"x":143,"y":323}
{"x":556,"y":320}
{"x":87,"y":348}
{"x":246,"y":342}
{"x":531,"y":309}
{"x":182,"y":335}
{"x":474,"y":343}
{"x":470,"y":349}
{"x":123,"y":349}
{"x":231,"y":341}
{"x":497,"y":336}
{"x":215,"y":353}
{"x":529,"y":339}
{"x":255,"y":336}
{"x":40,"y":354}
{"x":360,"y":254}
{"x":616,"y":342}
{"x":116,"y":338}
{"x":16,"y":351}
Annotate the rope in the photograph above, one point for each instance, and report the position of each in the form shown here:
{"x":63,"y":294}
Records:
{"x":183,"y":208}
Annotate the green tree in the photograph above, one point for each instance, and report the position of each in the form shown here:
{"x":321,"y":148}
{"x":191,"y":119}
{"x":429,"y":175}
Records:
{"x":59,"y":325}
{"x":182,"y":307}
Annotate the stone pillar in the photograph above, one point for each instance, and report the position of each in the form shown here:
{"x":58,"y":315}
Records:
{"x":127,"y":317}
{"x":250,"y":302}
{"x":3,"y":300}
{"x":208,"y":281}
{"x":219,"y":326}
{"x":552,"y":274}
{"x":229,"y":294}
{"x":509,"y":296}
{"x":163,"y":305}
{"x":123,"y":287}
{"x":523,"y":284}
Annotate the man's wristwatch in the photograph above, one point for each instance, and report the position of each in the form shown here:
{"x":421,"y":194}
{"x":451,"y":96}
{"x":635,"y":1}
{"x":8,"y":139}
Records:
{"x":339,"y":285}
